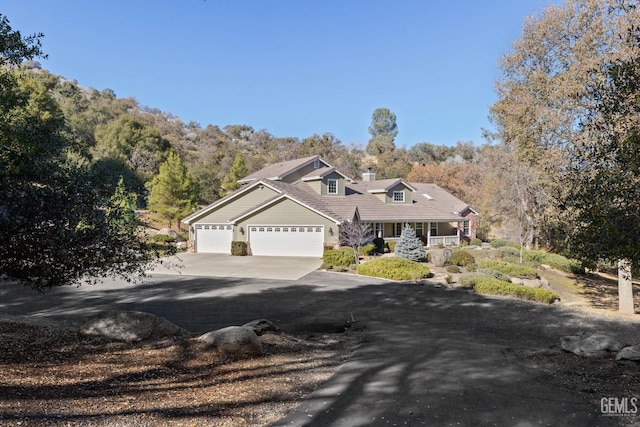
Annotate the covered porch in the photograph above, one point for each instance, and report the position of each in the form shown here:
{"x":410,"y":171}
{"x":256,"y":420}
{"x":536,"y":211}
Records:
{"x":432,"y":234}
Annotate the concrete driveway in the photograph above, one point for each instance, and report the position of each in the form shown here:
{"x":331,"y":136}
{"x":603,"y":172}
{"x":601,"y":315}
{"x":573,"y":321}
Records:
{"x":251,"y":267}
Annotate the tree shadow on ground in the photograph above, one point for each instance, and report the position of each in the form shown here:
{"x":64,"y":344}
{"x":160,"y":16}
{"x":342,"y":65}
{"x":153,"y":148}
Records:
{"x":433,"y":356}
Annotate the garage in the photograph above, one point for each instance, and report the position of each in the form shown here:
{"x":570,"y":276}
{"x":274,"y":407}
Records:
{"x":214,"y":238}
{"x":294,"y":240}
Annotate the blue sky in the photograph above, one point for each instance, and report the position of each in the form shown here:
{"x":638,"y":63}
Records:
{"x":292,"y":67}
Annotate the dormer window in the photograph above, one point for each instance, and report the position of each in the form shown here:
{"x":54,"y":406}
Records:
{"x":398,"y":196}
{"x":332,"y":186}
{"x":316,"y":164}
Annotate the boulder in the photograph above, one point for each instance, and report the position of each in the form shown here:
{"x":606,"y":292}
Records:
{"x":629,"y":353}
{"x":170,"y":232}
{"x":261,"y":326}
{"x":131,"y":326}
{"x":238,"y":342}
{"x":595,"y":345}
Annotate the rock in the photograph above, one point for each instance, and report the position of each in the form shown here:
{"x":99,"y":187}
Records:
{"x":629,"y":353}
{"x":131,"y":326}
{"x":531,"y":283}
{"x":236,"y":341}
{"x":516,"y":281}
{"x":172,"y":233}
{"x":596,"y":345}
{"x":261,"y":326}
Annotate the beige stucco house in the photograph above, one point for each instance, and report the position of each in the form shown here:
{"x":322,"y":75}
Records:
{"x":296,"y":207}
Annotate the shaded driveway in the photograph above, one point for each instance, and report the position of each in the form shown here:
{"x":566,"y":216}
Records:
{"x":433,"y":356}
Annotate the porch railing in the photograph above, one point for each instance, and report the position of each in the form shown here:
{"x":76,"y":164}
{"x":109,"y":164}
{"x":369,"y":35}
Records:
{"x":444,"y":240}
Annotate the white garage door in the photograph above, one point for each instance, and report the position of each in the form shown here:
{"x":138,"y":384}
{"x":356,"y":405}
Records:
{"x":214,"y":238}
{"x":286,"y":240}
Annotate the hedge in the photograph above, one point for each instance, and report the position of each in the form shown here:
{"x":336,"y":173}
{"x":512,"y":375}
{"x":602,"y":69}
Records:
{"x":518,"y":270}
{"x":342,"y":257}
{"x":394,"y":268}
{"x":489,"y":285}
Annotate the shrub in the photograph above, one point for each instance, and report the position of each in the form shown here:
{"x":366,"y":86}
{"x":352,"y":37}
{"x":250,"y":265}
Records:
{"x":461,"y":258}
{"x":554,"y":260}
{"x":449,"y":279}
{"x":518,"y":270}
{"x":339,"y":257}
{"x":163,"y":238}
{"x":498,"y":243}
{"x":453,"y":269}
{"x":476,"y":242}
{"x":367,"y":249}
{"x":495,"y":273}
{"x":392,"y":246}
{"x":379,"y":244}
{"x":493,"y":286}
{"x":471,"y":279}
{"x":239,"y":248}
{"x":394,"y":268}
{"x":507,"y":251}
{"x":409,"y":246}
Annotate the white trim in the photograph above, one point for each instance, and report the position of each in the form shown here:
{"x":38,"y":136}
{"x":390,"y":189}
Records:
{"x":393,"y":197}
{"x":334,"y":181}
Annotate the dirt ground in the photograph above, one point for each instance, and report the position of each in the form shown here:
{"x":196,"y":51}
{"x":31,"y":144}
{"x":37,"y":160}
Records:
{"x":56,"y":377}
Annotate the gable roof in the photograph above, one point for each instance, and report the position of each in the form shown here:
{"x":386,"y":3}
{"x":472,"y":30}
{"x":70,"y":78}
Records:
{"x":429,"y":202}
{"x":277,"y":171}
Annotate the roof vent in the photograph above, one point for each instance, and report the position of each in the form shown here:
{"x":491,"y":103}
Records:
{"x":426,"y":196}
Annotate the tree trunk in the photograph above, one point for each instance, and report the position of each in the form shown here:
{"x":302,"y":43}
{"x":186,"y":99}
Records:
{"x":625,"y":287}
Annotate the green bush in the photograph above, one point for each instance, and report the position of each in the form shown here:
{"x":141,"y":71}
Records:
{"x":339,"y":257}
{"x":476,"y":242}
{"x":163,"y":238}
{"x":507,"y":252}
{"x":489,"y":285}
{"x":470,"y":279}
{"x":239,"y":248}
{"x":498,"y":243}
{"x":494,"y":273}
{"x":367,"y":249}
{"x":554,"y":260}
{"x":518,"y":270}
{"x":493,"y":286}
{"x":461,"y":258}
{"x":394,"y":268}
{"x":453,"y":269}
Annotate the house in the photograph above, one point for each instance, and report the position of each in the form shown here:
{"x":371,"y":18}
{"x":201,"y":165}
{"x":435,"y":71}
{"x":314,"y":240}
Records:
{"x":296,"y":207}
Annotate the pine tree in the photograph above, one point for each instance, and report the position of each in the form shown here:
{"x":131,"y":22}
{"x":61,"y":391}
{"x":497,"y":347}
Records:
{"x":409,"y":245}
{"x":173,"y":192}
{"x":238,"y":171}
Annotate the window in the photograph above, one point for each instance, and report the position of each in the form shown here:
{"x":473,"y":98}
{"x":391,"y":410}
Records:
{"x":269,"y":229}
{"x":332,"y":186}
{"x":433,"y":228}
{"x":316,"y":164}
{"x":277,"y":229}
{"x":398,"y":228}
{"x":285,"y":229}
{"x":261,"y":229}
{"x":465,"y":228}
{"x":253,"y":229}
{"x":398,"y":196}
{"x":378,"y":228}
{"x":318,"y":230}
{"x":418,"y":228}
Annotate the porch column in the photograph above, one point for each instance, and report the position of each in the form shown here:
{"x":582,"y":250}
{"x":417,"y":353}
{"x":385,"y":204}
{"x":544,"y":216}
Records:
{"x":429,"y":234}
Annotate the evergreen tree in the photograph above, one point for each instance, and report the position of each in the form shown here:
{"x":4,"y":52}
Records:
{"x":238,"y":171}
{"x":173,"y":191}
{"x":409,"y":246}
